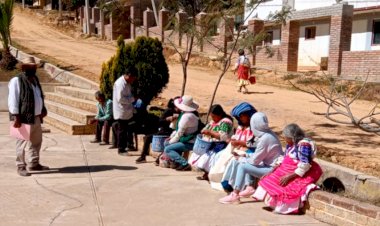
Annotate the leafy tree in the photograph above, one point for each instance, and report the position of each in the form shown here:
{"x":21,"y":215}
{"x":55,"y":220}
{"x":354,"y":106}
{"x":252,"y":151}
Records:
{"x":145,"y":58}
{"x":7,"y":62}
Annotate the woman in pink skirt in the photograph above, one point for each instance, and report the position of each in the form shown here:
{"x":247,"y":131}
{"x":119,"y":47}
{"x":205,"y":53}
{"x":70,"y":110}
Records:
{"x":285,"y":190}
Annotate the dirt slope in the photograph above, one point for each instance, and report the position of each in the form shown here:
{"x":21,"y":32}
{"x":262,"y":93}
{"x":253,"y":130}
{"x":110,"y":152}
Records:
{"x":345,"y":145}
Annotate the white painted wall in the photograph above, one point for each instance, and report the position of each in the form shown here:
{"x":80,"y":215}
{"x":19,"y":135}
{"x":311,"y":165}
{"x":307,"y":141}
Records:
{"x":361,"y":38}
{"x":264,"y":9}
{"x":311,"y":51}
{"x":4,"y":95}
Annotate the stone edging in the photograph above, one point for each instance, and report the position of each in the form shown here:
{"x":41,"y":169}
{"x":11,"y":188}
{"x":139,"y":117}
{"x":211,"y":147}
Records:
{"x":337,"y":210}
{"x":58,"y":73}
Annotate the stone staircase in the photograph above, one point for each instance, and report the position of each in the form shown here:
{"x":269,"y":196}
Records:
{"x":70,"y":109}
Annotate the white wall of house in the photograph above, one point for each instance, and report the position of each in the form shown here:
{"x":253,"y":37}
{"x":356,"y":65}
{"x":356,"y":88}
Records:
{"x":361,"y":39}
{"x":264,"y":9}
{"x":310,"y":51}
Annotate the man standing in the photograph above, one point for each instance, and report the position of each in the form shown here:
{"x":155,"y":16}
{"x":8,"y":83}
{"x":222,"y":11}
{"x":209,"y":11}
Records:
{"x":26,"y":106}
{"x":123,"y":109}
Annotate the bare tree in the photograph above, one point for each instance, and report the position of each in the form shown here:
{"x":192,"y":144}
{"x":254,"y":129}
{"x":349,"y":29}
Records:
{"x":339,"y":101}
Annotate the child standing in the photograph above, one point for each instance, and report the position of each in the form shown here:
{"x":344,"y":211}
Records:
{"x":243,"y":67}
{"x":103,"y":119}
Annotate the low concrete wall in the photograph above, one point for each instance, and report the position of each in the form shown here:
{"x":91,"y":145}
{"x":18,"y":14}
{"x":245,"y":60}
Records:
{"x":4,"y":95}
{"x":46,"y":87}
{"x":57,"y":73}
{"x":359,"y":185}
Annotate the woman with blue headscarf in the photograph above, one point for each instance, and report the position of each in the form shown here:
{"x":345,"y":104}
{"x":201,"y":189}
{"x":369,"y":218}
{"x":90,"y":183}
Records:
{"x":238,"y":143}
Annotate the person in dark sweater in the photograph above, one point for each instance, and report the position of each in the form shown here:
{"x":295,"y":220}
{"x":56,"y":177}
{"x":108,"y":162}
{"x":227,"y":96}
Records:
{"x":168,"y":116}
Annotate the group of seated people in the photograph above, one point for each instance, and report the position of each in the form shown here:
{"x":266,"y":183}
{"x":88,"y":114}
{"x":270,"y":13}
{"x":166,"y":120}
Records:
{"x":246,"y":162}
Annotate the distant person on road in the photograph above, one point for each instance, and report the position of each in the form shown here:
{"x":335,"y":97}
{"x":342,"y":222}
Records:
{"x":103,"y":119}
{"x":286,"y":188}
{"x":243,"y":69}
{"x":123,"y":109}
{"x":26,"y":106}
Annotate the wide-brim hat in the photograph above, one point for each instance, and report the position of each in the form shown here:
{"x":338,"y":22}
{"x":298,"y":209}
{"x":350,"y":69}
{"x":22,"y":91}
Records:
{"x":186,"y":103}
{"x":28,"y":62}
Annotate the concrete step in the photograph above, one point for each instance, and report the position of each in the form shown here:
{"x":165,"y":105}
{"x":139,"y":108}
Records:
{"x":69,"y":126}
{"x":82,"y":104}
{"x":72,"y":113}
{"x":84,"y":94}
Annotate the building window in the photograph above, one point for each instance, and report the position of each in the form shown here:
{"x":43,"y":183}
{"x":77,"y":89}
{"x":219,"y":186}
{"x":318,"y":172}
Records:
{"x":269,"y":38}
{"x":376,"y":32}
{"x":310,"y":32}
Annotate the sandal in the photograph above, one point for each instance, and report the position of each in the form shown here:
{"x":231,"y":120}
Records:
{"x":204,"y":177}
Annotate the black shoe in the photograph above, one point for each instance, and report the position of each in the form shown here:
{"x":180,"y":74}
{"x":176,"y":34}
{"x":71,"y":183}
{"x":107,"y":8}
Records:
{"x":113,"y":147}
{"x":104,"y":143}
{"x":132,"y":148}
{"x":95,"y":141}
{"x":123,"y":153}
{"x":141,"y":160}
{"x":38,"y":167}
{"x":22,"y":172}
{"x":184,"y":168}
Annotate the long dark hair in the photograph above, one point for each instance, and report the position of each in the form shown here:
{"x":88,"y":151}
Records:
{"x":171,"y":102}
{"x":216,"y":109}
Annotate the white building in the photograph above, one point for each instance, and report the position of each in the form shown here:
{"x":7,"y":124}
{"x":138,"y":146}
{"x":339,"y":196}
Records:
{"x":314,"y":35}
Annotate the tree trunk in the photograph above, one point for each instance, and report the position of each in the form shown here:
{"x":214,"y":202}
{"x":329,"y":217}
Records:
{"x":226,"y":65}
{"x":184,"y":70}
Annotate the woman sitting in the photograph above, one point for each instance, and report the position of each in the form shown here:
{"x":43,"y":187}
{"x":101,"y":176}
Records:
{"x":219,"y":130}
{"x":249,"y":167}
{"x":186,"y":129}
{"x":238,"y":143}
{"x":286,"y":189}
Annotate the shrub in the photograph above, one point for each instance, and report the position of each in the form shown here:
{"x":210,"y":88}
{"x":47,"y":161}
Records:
{"x":144,"y":57}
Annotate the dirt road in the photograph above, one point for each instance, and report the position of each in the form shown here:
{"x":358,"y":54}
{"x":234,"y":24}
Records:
{"x":347,"y":145}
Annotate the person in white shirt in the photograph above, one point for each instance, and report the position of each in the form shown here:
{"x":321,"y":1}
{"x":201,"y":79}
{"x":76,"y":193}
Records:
{"x":123,"y":109}
{"x":26,"y":106}
{"x":183,"y":137}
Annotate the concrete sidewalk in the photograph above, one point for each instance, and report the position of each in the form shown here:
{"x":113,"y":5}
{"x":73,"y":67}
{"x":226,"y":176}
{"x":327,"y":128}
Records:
{"x":91,"y":185}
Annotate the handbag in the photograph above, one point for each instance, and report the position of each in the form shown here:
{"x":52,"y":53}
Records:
{"x":252,"y":79}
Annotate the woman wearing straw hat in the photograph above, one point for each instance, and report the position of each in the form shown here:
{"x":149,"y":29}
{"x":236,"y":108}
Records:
{"x":183,"y":137}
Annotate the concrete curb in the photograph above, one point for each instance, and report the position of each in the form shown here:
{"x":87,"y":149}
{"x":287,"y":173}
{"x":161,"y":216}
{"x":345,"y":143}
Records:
{"x":358,"y":185}
{"x":58,"y":73}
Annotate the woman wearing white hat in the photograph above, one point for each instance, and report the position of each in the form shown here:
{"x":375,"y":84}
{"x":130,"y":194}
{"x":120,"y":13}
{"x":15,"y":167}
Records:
{"x":183,"y":137}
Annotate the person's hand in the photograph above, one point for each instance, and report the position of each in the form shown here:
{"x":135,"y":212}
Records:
{"x":206,"y":132}
{"x":234,"y":142}
{"x":17,"y":122}
{"x":287,"y":178}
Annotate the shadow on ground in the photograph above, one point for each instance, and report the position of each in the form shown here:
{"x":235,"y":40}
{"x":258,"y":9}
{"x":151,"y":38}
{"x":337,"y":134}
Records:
{"x":86,"y":169}
{"x":250,"y":92}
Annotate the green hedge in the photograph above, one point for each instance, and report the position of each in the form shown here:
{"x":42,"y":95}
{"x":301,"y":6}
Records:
{"x":144,"y":57}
